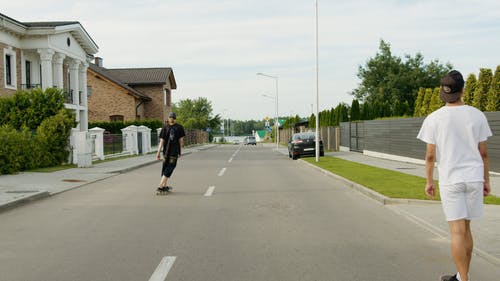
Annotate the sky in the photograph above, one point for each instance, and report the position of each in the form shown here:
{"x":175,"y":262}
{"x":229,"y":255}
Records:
{"x":216,"y":47}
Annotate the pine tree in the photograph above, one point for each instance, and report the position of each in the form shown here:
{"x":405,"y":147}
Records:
{"x":493,"y":100}
{"x":483,"y":86}
{"x":355,"y":111}
{"x":424,"y":109}
{"x":436,"y":101}
{"x":470,"y":87}
{"x":418,"y":102}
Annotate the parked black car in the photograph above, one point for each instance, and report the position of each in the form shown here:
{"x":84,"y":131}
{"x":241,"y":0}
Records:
{"x":304,"y":144}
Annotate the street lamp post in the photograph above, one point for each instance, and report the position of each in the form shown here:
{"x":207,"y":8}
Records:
{"x":276,"y":121}
{"x":317,"y":88}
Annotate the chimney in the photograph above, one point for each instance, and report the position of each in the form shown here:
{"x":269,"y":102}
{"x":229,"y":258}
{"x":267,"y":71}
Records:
{"x":98,"y":61}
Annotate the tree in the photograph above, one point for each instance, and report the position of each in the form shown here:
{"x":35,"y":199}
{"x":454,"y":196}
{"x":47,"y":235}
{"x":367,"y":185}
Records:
{"x":470,"y":88}
{"x":418,"y":102}
{"x":196,"y":114}
{"x":483,"y":86}
{"x":493,"y":100}
{"x":355,"y":110}
{"x":387,"y":79}
{"x":435,"y":102}
{"x":424,"y":110}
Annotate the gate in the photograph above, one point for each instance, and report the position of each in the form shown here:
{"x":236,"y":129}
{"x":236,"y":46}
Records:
{"x":139,"y":142}
{"x":357,"y":136}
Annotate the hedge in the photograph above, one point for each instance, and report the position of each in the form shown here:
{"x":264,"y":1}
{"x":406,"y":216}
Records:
{"x":115,"y":127}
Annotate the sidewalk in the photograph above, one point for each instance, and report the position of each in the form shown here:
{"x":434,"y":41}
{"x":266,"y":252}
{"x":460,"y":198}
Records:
{"x":430,"y":215}
{"x":28,"y":186}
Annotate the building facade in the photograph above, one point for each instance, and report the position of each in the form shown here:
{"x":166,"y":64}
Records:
{"x":126,"y":94}
{"x":47,"y":54}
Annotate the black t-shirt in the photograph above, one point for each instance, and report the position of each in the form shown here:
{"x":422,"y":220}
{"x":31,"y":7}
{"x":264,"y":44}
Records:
{"x":171,"y":135}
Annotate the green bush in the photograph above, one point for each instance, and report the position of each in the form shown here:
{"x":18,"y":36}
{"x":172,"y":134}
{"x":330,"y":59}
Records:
{"x":30,"y":108}
{"x":53,"y":137}
{"x":115,"y":127}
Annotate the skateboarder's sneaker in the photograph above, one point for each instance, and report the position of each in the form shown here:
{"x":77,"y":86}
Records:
{"x":169,"y":188}
{"x":161,"y":189}
{"x":449,"y":278}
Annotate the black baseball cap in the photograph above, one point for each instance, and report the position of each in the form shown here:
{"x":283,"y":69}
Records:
{"x":452,"y":85}
{"x":172,"y":115}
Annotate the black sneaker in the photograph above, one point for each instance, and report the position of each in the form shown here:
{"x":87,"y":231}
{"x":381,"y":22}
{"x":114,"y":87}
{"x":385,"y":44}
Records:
{"x":169,"y":188}
{"x":161,"y":189}
{"x":449,"y":278}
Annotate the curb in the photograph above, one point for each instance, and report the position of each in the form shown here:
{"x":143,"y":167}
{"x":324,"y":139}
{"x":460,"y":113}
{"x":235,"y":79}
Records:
{"x":24,"y":200}
{"x":382,"y":199}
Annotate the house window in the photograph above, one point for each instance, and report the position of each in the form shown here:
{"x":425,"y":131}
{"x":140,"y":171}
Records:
{"x":28,"y":74}
{"x":10,"y":69}
{"x":116,"y":118}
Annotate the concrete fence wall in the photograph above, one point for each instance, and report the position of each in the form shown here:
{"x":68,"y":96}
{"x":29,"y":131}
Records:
{"x":398,"y":137}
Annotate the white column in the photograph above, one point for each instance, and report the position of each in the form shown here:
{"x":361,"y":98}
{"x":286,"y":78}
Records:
{"x":58,"y":70}
{"x":46,"y":59}
{"x":74,"y":68}
{"x":99,"y":141}
{"x":82,"y":79}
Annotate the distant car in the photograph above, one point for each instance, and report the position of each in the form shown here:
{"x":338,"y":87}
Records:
{"x":250,"y":141}
{"x":304,"y":144}
{"x":236,"y":142}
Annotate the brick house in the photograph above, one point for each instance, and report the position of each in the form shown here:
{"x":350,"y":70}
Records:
{"x":125,"y":94}
{"x":47,"y":54}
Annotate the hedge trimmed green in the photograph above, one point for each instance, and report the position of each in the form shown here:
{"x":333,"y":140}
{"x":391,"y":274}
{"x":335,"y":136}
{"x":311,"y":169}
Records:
{"x":35,"y":129}
{"x":115,"y":127}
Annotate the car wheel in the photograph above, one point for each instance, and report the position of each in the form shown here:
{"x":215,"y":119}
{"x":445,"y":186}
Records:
{"x":294,"y":157}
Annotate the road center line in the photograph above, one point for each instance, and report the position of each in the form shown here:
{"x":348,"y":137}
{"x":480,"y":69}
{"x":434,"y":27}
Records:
{"x":221,"y":173}
{"x":210,"y":191}
{"x":230,"y":159}
{"x":163,"y":268}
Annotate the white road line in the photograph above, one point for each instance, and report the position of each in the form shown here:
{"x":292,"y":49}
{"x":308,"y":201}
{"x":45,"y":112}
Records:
{"x":221,"y":173}
{"x":163,"y":268}
{"x":230,"y":159}
{"x":210,"y":191}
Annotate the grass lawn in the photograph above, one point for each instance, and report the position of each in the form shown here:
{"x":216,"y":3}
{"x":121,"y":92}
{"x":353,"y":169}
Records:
{"x":53,"y":169}
{"x":387,"y":182}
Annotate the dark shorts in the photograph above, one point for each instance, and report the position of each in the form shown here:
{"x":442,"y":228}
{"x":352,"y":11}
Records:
{"x":169,"y":163}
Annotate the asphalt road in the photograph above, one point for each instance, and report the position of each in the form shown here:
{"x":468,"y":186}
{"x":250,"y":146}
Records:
{"x":237,"y":213}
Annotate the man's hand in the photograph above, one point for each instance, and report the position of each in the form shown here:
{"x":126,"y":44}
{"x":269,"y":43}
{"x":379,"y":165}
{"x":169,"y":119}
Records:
{"x":158,"y":156}
{"x":486,"y":189}
{"x":430,"y":190}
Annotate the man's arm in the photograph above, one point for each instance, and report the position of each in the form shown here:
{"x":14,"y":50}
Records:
{"x":181,"y":144}
{"x":430,"y":159}
{"x":484,"y":154}
{"x":160,"y":146}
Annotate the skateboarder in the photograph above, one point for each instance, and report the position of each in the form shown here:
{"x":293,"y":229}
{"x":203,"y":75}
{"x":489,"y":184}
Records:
{"x":456,"y":137}
{"x":171,"y":142}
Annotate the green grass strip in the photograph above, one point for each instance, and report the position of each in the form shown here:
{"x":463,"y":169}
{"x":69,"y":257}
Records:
{"x":387,"y":182}
{"x":53,"y":169}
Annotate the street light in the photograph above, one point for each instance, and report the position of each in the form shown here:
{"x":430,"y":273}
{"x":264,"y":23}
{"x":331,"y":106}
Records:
{"x":276,"y":121}
{"x":317,"y":88}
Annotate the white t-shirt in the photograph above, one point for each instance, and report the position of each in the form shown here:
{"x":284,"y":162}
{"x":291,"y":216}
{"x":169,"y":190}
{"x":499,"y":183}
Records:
{"x":457,"y":131}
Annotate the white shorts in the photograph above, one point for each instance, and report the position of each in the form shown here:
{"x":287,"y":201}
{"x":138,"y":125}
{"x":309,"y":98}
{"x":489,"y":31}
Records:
{"x":462,"y":200}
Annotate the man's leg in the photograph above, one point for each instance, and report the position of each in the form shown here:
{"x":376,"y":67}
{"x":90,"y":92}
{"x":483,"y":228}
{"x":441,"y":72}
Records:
{"x":461,"y":246}
{"x":163,"y":182}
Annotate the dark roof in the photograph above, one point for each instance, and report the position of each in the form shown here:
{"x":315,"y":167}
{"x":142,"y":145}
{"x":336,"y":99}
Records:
{"x":141,"y":76}
{"x":104,"y":72}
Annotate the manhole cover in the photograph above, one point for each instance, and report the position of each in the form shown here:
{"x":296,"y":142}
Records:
{"x":73,"y":180}
{"x":21,"y":191}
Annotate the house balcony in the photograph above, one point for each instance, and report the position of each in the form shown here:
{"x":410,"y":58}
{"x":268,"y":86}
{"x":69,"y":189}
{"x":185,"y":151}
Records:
{"x":29,"y":86}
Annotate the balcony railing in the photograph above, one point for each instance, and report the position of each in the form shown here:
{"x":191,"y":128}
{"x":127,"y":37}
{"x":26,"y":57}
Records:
{"x":29,"y":86}
{"x":69,"y":97}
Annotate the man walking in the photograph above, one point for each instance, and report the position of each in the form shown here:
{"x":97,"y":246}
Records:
{"x":171,"y":142}
{"x":456,"y":137}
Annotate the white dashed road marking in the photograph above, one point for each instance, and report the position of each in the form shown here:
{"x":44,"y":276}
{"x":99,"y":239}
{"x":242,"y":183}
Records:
{"x":210,"y":191}
{"x":221,"y":173}
{"x":163,"y":268}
